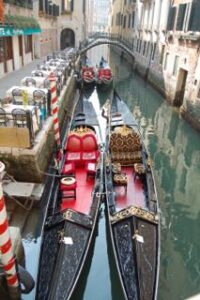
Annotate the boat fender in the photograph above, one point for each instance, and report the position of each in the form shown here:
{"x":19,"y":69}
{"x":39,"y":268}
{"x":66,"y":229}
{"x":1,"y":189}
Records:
{"x":27,"y":282}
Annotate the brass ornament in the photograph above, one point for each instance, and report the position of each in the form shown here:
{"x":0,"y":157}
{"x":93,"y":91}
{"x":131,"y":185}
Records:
{"x":137,"y":212}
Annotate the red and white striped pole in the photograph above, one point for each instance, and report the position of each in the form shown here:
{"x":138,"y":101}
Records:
{"x":54,"y":108}
{"x":7,"y":257}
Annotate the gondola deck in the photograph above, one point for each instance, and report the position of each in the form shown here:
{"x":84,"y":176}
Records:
{"x":135,"y":192}
{"x":84,"y":187}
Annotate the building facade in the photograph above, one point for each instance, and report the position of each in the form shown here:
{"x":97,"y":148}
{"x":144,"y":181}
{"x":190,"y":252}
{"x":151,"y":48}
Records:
{"x":100,"y":16}
{"x":164,"y":36}
{"x":18,"y":28}
{"x":33,"y":29}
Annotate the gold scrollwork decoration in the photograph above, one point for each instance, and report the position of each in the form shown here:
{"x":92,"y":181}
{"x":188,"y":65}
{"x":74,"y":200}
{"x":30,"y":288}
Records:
{"x":135,"y":211}
{"x":67,"y":215}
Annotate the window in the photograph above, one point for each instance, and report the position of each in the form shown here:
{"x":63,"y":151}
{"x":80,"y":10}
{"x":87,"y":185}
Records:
{"x":140,"y":44}
{"x":171,"y":18}
{"x":118,"y":19}
{"x":148,"y":45}
{"x":181,"y":17}
{"x":124,"y":25}
{"x":176,"y":63}
{"x":129,"y":20}
{"x":153,"y":51}
{"x":1,"y":49}
{"x":144,"y":48}
{"x":166,"y":61}
{"x":67,"y":6}
{"x":194,"y":22}
{"x":28,"y":43}
{"x":133,"y":18}
{"x":6,"y":49}
{"x":162,"y":54}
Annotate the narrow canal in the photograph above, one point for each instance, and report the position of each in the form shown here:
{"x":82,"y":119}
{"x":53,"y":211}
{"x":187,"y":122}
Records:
{"x":175,"y":150}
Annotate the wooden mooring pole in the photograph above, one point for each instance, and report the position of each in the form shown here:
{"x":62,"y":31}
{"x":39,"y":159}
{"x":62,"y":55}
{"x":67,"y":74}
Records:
{"x":7,"y":257}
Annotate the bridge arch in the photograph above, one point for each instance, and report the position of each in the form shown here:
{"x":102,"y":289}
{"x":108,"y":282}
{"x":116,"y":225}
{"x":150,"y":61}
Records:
{"x":67,"y":38}
{"x":101,"y":41}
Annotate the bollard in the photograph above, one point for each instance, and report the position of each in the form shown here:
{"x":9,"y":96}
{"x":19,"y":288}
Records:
{"x":54,"y":109}
{"x":7,"y":258}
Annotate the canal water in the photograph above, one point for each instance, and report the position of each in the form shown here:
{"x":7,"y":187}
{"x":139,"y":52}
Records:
{"x":175,"y":150}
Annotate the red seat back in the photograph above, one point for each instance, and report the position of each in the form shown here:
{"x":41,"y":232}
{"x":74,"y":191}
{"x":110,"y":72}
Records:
{"x":73,"y":143}
{"x":89,"y":143}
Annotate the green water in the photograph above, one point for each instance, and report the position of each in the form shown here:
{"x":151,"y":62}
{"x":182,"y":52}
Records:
{"x":175,"y":150}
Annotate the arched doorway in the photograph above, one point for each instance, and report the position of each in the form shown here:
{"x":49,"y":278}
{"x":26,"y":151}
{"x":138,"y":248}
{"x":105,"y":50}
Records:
{"x":67,"y":38}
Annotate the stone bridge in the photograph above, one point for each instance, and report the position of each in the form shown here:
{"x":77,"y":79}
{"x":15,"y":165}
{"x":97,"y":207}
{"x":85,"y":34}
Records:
{"x":100,"y":38}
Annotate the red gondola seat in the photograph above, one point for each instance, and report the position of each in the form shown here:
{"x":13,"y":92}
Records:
{"x":90,"y":169}
{"x":89,"y":147}
{"x":69,"y":168}
{"x":73,"y":148}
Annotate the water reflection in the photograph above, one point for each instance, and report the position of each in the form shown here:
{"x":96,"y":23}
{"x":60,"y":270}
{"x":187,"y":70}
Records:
{"x":175,"y":150}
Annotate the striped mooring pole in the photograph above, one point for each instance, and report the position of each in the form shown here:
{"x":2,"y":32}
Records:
{"x":54,"y":108}
{"x":7,"y":258}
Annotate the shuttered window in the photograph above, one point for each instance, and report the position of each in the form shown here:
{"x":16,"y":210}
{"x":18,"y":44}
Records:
{"x":46,"y":6}
{"x":181,"y":17}
{"x":176,"y":64}
{"x":133,"y":18}
{"x":171,"y":18}
{"x":194,"y":23}
{"x":41,"y":5}
{"x":129,"y":20}
{"x":118,"y":19}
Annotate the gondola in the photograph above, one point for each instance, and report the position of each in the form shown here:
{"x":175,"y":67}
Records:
{"x":104,"y":75}
{"x":132,"y":205}
{"x":75,"y":196}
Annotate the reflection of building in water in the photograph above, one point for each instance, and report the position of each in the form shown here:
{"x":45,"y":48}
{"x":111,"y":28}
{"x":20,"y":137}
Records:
{"x":178,"y":164}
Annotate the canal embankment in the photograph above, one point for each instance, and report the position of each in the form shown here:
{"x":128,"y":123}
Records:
{"x":176,"y":93}
{"x":30,"y":163}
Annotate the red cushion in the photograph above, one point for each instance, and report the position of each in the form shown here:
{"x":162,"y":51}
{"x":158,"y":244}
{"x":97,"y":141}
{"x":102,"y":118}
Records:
{"x":73,"y":156}
{"x":69,"y":168}
{"x":91,"y":167}
{"x":89,"y":155}
{"x":89,"y":142}
{"x":73,"y":143}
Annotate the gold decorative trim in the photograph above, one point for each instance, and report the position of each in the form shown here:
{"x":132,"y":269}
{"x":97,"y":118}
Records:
{"x":137,"y":212}
{"x":68,"y":215}
{"x":82,"y":130}
{"x":123,"y":130}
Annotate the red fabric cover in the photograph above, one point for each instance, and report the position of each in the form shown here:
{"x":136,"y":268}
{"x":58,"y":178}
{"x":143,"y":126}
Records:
{"x":89,"y":143}
{"x":89,"y":155}
{"x":74,"y":143}
{"x":69,"y":168}
{"x":91,"y":168}
{"x":73,"y":156}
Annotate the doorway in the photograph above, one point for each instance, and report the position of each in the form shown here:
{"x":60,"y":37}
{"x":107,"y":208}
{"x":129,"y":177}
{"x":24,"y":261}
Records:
{"x":180,"y":87}
{"x":67,"y":38}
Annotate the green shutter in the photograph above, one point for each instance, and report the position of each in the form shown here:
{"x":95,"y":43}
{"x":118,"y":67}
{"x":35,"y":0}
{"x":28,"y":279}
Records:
{"x":181,"y":16}
{"x":171,"y":18}
{"x":194,"y":23}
